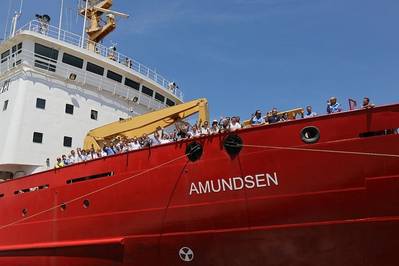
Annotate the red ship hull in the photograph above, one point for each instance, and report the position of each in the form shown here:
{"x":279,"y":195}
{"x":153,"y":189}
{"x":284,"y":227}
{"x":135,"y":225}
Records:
{"x":278,"y":202}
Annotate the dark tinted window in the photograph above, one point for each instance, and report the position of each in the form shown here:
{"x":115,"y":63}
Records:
{"x":40,"y":103}
{"x":67,"y":141}
{"x":94,"y":114}
{"x":132,"y":84}
{"x":114,"y":76}
{"x":44,"y":65}
{"x":159,"y":97}
{"x":72,"y":60}
{"x":17,"y":49}
{"x":46,"y":52}
{"x":69,"y":109}
{"x":37,"y":137}
{"x":170,"y":102}
{"x":95,"y":69}
{"x":147,"y":91}
{"x":5,"y":106}
{"x":4,"y":56}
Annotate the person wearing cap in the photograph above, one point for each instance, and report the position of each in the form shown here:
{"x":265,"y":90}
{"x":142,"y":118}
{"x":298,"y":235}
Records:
{"x":257,"y":118}
{"x":215,"y":127}
{"x":333,"y":106}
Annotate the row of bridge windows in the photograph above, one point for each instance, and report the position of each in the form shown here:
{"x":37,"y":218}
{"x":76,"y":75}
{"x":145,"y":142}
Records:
{"x":46,"y":58}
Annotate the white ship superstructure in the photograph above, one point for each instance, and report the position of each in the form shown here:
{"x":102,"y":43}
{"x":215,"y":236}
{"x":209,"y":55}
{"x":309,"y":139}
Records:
{"x":54,"y":88}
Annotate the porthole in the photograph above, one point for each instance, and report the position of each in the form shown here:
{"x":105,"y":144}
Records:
{"x":194,"y":151}
{"x":310,"y":134}
{"x":86,"y":203}
{"x":233,"y":144}
{"x":24,"y":212}
{"x":63,"y":207}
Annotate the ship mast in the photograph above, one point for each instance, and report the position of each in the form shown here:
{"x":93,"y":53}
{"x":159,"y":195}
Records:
{"x":98,"y":29}
{"x":15,"y":19}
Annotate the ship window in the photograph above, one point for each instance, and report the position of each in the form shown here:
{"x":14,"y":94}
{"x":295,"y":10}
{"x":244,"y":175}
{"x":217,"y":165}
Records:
{"x":67,"y":141}
{"x":17,"y":48}
{"x":45,"y":66}
{"x":159,"y":97}
{"x":147,"y":91}
{"x":4,"y":56}
{"x":95,"y":69}
{"x":132,"y":84}
{"x":310,"y":134}
{"x":114,"y":76}
{"x":37,"y":137}
{"x":385,"y":132}
{"x":1,"y":195}
{"x":40,"y":103}
{"x":45,"y":52}
{"x":5,"y":105}
{"x":72,"y":60}
{"x":69,"y":109}
{"x":86,"y":178}
{"x":169,"y":102}
{"x":31,"y":189}
{"x":94,"y":114}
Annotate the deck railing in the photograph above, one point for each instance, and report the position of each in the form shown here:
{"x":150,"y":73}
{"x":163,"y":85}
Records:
{"x":76,"y":40}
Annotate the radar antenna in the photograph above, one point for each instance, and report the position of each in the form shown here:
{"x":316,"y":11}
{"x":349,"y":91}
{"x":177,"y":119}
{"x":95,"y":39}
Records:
{"x":98,"y":29}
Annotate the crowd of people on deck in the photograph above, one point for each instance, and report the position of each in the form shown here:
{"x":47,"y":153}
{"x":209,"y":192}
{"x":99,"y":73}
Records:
{"x":183,"y":130}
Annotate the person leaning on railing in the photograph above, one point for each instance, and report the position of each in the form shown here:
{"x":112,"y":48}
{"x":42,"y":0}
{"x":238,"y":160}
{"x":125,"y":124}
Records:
{"x":234,"y":124}
{"x":333,"y":106}
{"x":367,"y":104}
{"x":257,"y":119}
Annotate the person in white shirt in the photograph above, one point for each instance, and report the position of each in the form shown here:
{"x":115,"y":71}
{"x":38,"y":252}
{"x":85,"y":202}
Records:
{"x":309,"y":112}
{"x":234,"y":125}
{"x":215,"y":127}
{"x":195,"y":132}
{"x":134,"y":144}
{"x":73,"y":158}
{"x":83,"y":156}
{"x":205,"y":130}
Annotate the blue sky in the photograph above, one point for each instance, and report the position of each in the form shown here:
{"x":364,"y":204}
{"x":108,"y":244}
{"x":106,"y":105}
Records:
{"x":257,"y":54}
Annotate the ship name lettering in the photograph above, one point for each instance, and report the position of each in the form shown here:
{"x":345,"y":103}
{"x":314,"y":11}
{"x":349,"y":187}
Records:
{"x":234,"y":183}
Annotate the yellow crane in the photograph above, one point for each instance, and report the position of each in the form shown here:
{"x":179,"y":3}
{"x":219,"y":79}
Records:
{"x":98,"y":29}
{"x":147,"y":123}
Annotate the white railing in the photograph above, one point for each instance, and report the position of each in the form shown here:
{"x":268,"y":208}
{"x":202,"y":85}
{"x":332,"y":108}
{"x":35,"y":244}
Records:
{"x":62,"y":72}
{"x":76,"y":40}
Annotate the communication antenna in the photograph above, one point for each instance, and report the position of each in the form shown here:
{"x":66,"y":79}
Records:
{"x":60,"y":21}
{"x":98,"y":30}
{"x":8,"y":18}
{"x":15,"y":19}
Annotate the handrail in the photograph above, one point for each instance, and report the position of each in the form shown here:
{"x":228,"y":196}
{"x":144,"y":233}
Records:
{"x":75,"y":39}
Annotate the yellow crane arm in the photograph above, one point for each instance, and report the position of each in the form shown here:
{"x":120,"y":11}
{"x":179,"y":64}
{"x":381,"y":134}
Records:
{"x":147,"y":123}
